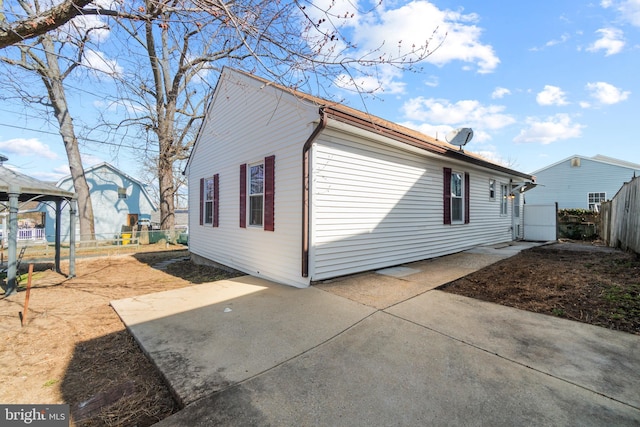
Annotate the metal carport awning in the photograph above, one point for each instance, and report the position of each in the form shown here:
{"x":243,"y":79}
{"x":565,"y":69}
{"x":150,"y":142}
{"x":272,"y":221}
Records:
{"x":16,"y":188}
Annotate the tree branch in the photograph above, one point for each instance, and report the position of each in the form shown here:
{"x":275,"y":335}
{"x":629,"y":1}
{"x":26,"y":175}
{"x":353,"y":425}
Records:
{"x":36,"y":25}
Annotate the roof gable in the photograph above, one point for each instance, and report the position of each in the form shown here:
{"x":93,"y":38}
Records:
{"x":599,"y":158}
{"x":113,"y":169}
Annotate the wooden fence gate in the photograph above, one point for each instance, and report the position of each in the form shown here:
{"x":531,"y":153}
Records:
{"x":540,"y":222}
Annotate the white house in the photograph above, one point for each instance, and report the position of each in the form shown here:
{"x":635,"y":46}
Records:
{"x":297,"y":189}
{"x":580,"y":182}
{"x":117,"y":199}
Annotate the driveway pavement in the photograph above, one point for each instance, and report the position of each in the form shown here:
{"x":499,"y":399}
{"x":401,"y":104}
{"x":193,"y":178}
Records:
{"x":251,"y":352}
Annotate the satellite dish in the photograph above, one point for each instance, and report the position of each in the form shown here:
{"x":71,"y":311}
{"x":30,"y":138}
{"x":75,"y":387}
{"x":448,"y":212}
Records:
{"x":459,"y":136}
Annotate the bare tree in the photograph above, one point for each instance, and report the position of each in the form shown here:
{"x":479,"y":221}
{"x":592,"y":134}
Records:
{"x":46,"y":58}
{"x":176,"y":44}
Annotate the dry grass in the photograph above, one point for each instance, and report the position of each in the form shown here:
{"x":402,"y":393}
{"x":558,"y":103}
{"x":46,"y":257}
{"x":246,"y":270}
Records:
{"x":74,"y":348}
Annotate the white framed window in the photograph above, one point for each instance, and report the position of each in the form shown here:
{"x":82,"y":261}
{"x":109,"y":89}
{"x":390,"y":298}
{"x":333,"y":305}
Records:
{"x":208,"y":201}
{"x":122,"y":193}
{"x":492,"y":189}
{"x":457,"y":200}
{"x":595,"y":199}
{"x":256,"y":194}
{"x":504,"y":199}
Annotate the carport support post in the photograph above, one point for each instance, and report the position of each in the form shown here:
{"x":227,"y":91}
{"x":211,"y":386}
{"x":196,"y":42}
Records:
{"x":72,"y":237}
{"x":14,"y":192}
{"x":57,"y":243}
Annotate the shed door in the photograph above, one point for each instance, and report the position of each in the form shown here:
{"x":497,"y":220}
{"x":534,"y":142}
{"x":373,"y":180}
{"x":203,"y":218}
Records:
{"x":540,"y":222}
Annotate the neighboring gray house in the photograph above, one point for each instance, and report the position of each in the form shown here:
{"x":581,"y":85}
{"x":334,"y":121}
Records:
{"x":580,"y":182}
{"x":117,"y":198}
{"x":296,"y":189}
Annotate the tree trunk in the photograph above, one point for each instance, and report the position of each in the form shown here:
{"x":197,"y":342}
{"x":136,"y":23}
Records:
{"x":57,"y":96}
{"x":167,"y":208}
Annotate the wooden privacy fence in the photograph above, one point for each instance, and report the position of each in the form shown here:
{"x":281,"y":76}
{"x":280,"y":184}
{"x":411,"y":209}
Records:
{"x":620,"y":218}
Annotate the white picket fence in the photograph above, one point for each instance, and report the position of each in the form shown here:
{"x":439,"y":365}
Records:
{"x":31,"y":234}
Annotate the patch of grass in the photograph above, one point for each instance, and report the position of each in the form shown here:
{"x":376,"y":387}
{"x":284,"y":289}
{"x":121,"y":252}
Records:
{"x":50,"y":383}
{"x":558,"y":312}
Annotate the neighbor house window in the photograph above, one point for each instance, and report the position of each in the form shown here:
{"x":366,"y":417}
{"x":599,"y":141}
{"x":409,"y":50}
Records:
{"x":122,"y":193}
{"x":209,"y":190}
{"x":456,"y":197}
{"x":504,"y":199}
{"x":256,"y":194}
{"x":492,"y":189}
{"x":595,"y":199}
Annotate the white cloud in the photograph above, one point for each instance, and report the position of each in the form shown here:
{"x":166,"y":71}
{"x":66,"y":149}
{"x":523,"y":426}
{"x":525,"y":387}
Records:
{"x":437,"y":117}
{"x":27,"y":147}
{"x":629,"y":10}
{"x":89,"y":160}
{"x":611,"y":41}
{"x":551,"y":95}
{"x":551,"y":129}
{"x":607,"y":93}
{"x":385,"y":81}
{"x":388,"y":33}
{"x":432,"y":81}
{"x":99,"y":62}
{"x":500,"y":92}
{"x":462,"y":113}
{"x":563,"y":38}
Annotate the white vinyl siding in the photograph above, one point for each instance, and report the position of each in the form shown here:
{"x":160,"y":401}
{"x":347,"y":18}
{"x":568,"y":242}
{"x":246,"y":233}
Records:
{"x":569,"y":186}
{"x":375,"y":206}
{"x":244,"y":125}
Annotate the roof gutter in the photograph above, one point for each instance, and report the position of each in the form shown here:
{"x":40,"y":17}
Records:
{"x":306,"y":184}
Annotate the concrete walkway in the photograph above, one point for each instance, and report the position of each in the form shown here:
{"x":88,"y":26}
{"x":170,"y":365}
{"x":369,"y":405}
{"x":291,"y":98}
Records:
{"x":250,"y":352}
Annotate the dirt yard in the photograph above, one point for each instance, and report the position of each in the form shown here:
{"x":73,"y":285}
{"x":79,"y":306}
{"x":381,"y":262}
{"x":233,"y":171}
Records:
{"x":582,"y":282}
{"x":74,"y":349}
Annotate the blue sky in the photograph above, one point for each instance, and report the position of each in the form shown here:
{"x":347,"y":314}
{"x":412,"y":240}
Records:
{"x":537,"y":82}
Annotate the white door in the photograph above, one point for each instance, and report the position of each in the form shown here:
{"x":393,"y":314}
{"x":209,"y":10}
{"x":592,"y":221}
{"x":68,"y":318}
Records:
{"x":540,"y":222}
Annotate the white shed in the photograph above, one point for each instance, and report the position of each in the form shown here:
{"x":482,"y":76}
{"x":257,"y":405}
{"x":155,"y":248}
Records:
{"x":297,"y":189}
{"x":580,"y":182}
{"x":117,"y":199}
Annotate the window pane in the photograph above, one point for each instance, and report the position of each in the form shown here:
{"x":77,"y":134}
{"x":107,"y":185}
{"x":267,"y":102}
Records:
{"x":456,"y":209}
{"x":456,"y":184}
{"x":208,"y":191}
{"x":257,"y":179}
{"x":208,"y":212}
{"x":255,"y":210}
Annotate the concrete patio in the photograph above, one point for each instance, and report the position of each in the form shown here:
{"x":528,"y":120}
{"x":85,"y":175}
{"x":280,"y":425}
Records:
{"x":250,"y":352}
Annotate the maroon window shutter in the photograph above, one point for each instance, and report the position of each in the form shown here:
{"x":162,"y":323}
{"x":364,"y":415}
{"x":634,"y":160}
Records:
{"x":201,"y":200}
{"x":243,"y":195}
{"x":269,"y":192}
{"x":467,"y":192}
{"x":216,"y":199}
{"x":446,"y":195}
